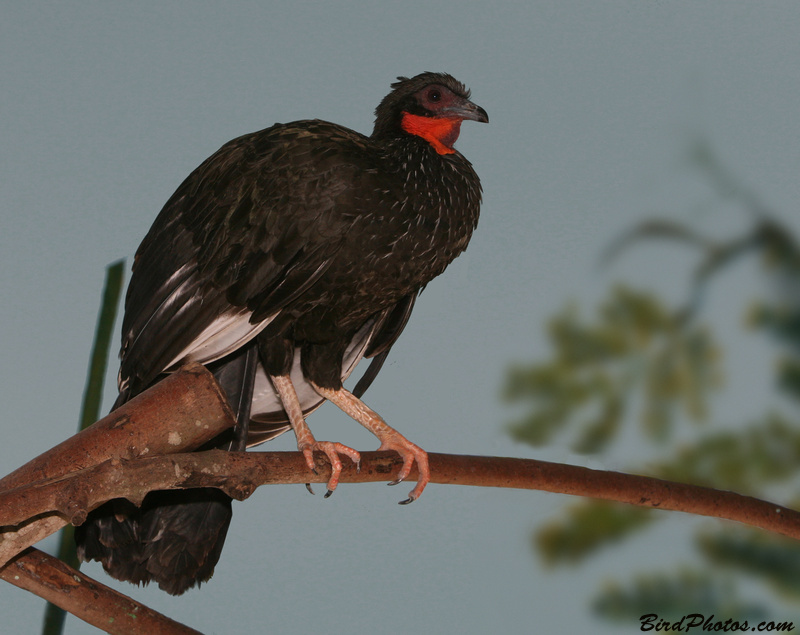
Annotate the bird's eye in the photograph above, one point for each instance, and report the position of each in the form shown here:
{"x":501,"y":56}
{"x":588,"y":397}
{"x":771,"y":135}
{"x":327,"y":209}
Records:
{"x":434,"y":95}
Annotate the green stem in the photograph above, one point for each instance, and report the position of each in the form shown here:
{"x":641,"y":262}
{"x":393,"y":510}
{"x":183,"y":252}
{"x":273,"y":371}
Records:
{"x":90,"y":412}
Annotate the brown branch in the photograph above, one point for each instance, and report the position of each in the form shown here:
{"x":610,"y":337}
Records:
{"x":91,"y":601}
{"x":17,"y":539}
{"x":239,"y":474}
{"x":178,"y":414}
{"x":134,"y":451}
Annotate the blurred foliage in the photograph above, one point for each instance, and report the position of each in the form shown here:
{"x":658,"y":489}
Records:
{"x":639,"y":362}
{"x":587,"y":526}
{"x":746,"y":460}
{"x":773,"y":559}
{"x":636,"y":348}
{"x":673,"y":596}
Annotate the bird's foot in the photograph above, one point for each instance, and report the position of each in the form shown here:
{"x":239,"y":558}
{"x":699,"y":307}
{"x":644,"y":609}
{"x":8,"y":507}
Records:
{"x":390,"y":438}
{"x":409,"y":452}
{"x":332,"y":451}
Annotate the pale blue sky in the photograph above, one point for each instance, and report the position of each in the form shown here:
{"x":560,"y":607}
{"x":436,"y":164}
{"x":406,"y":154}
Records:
{"x":105,"y":108}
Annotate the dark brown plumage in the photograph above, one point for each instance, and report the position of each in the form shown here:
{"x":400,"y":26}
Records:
{"x":280,"y":262}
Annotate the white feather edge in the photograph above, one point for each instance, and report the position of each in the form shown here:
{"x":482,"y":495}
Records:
{"x":224,"y":335}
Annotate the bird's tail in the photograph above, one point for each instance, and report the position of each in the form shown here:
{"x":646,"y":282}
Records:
{"x":175,"y":538}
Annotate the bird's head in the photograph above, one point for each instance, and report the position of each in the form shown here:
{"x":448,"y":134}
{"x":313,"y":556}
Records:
{"x":431,"y":106}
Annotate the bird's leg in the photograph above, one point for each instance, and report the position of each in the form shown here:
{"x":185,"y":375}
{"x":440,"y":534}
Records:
{"x":243,"y":373}
{"x":306,"y":442}
{"x":390,"y":438}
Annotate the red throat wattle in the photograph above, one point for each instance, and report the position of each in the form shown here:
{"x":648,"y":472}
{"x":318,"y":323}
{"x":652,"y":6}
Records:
{"x":440,"y":132}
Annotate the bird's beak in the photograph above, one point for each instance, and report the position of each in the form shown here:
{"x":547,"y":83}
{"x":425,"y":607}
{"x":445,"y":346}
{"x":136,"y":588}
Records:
{"x":465,"y":109}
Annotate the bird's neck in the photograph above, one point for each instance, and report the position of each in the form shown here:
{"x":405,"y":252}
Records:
{"x":440,"y":132}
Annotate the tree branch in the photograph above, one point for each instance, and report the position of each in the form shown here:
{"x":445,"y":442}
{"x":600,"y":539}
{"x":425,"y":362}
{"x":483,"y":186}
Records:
{"x":238,"y":474}
{"x":135,"y":450}
{"x":178,"y":414}
{"x":93,"y":602}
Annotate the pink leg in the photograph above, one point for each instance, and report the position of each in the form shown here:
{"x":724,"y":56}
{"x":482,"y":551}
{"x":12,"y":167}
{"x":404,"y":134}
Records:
{"x":306,"y":442}
{"x":390,"y":438}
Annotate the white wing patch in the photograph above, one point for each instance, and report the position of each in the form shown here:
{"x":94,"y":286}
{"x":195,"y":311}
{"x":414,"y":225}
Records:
{"x":227,"y":333}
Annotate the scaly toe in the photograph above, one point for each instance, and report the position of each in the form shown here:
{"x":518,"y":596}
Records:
{"x":332,"y":451}
{"x":410,"y":454}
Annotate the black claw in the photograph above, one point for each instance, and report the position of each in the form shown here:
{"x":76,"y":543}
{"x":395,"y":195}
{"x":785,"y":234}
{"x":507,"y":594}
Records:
{"x":328,"y":493}
{"x":313,"y":469}
{"x":308,"y":487}
{"x":397,"y":482}
{"x":406,"y":501}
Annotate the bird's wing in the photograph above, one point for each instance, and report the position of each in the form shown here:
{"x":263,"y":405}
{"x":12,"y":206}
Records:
{"x":250,"y":230}
{"x":385,"y":335}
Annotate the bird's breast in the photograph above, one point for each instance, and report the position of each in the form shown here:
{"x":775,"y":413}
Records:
{"x":403,"y":230}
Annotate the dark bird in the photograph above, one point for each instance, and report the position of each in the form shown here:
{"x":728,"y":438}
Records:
{"x":284,"y":259}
